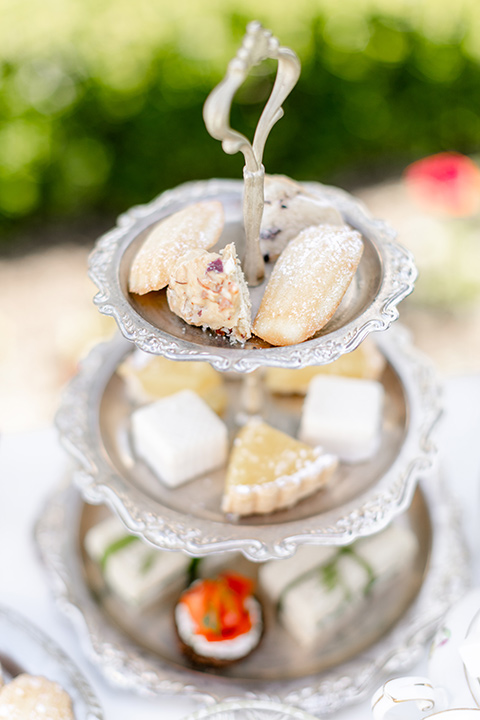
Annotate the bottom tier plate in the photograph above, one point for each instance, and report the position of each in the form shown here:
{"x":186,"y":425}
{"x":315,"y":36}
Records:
{"x":139,"y":651}
{"x":24,"y":648}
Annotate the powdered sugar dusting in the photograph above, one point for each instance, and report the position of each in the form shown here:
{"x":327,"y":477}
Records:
{"x":290,"y":208}
{"x":307,"y":283}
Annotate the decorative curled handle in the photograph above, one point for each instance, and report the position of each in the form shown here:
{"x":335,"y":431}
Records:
{"x":258,"y":45}
{"x":417,"y":690}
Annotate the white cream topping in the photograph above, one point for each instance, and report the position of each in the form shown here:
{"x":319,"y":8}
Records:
{"x":230,"y":649}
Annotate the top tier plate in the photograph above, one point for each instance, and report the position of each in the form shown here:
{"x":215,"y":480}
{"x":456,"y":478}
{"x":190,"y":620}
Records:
{"x":385,"y":276}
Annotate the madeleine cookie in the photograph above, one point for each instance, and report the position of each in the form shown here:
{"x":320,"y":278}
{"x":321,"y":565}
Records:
{"x":209,"y":289}
{"x":196,"y":226}
{"x":269,"y":470}
{"x":34,"y":698}
{"x":289,"y":208}
{"x":307,"y":284}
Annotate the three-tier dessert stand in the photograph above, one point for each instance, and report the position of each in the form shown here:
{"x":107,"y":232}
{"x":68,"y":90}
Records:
{"x":93,"y":420}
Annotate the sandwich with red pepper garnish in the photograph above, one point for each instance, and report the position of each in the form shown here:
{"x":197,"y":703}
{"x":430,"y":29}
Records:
{"x":218,"y":620}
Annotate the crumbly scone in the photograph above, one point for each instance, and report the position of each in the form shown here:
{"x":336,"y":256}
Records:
{"x":29,"y":697}
{"x":209,"y":289}
{"x":269,"y":470}
{"x":196,"y":226}
{"x":289,"y":208}
{"x":307,"y":284}
{"x":150,"y":377}
{"x":366,"y":362}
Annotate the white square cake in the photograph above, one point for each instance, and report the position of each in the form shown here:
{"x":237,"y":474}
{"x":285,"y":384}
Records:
{"x":179,"y":437}
{"x":344,"y":416}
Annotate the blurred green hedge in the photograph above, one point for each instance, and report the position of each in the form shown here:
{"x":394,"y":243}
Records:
{"x":102,"y":109}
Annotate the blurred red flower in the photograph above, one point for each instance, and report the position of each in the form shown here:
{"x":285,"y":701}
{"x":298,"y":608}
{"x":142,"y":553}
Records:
{"x":446,"y":184}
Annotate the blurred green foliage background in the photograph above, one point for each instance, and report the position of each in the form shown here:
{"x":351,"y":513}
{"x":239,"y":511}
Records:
{"x":101,"y":100}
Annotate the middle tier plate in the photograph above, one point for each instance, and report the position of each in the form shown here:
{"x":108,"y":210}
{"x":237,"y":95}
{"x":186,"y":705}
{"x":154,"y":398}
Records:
{"x":94,"y":424}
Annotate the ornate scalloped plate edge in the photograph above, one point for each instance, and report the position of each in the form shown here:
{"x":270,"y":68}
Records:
{"x":77,"y":421}
{"x":124,"y":665}
{"x":399,"y":275}
{"x":92,"y":708}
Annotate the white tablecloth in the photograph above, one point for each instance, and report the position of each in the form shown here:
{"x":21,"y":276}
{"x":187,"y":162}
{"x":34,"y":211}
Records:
{"x":32,"y":464}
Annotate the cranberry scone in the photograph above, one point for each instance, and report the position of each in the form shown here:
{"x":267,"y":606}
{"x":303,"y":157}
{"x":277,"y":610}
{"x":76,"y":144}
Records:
{"x":209,"y":290}
{"x":289,"y":208}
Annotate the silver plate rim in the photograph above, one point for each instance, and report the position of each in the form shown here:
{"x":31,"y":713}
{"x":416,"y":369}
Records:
{"x":124,"y":665}
{"x":77,"y":422}
{"x":398,"y":280}
{"x":26,"y":627}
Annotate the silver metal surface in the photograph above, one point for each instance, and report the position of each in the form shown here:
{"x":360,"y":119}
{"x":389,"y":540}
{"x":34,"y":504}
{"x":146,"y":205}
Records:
{"x":27,"y":649}
{"x":258,"y":45}
{"x":94,"y":425}
{"x":386,"y":637}
{"x":250,"y":710}
{"x":385,"y":276}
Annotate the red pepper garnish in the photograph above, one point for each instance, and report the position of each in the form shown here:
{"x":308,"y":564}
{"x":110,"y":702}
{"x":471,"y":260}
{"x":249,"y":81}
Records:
{"x":217,"y":606}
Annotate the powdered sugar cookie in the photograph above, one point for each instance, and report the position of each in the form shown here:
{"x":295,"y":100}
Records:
{"x":209,"y":289}
{"x":28,"y":697}
{"x":307,"y":284}
{"x":196,"y":226}
{"x":289,"y":208}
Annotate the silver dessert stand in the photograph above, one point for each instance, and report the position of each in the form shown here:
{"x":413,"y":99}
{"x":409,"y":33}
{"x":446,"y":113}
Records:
{"x":385,"y":276}
{"x":94,"y":422}
{"x":443,"y":578}
{"x":27,"y":649}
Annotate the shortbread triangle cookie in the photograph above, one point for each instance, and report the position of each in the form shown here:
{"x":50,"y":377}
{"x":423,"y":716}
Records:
{"x":196,"y":226}
{"x":269,"y":470}
{"x":209,"y":289}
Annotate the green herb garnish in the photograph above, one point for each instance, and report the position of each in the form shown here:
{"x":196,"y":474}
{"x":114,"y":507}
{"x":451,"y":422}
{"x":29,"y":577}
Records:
{"x":114,"y":547}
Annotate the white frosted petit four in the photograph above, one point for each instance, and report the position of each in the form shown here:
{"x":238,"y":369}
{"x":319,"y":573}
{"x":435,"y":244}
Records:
{"x":137,"y":573}
{"x":344,"y":415}
{"x":319,"y":588}
{"x":179,"y":437}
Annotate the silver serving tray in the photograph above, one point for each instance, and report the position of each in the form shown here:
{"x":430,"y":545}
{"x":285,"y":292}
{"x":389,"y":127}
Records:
{"x":93,"y":421}
{"x":250,"y":710}
{"x":386,"y":636}
{"x":385,"y":276}
{"x":25,"y":648}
